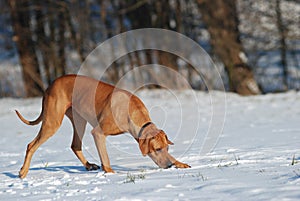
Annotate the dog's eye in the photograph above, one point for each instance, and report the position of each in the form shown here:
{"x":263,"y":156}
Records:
{"x":158,"y":150}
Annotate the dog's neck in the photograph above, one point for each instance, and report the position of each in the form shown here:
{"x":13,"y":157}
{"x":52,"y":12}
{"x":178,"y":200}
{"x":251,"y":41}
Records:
{"x":143,"y":128}
{"x":139,"y":131}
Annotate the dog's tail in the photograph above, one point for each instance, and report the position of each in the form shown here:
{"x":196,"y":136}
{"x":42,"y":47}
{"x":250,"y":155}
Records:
{"x":31,"y":123}
{"x":34,"y":122}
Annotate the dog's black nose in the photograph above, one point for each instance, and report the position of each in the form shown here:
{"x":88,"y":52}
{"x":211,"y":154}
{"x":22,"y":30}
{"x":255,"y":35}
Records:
{"x":169,"y":165}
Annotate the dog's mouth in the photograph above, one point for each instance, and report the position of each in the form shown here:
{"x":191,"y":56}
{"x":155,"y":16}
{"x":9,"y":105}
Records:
{"x":166,"y":166}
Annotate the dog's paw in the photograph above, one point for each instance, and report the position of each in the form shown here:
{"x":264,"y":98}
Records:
{"x":91,"y":166}
{"x":107,"y":169}
{"x":181,"y":165}
{"x":23,"y":173}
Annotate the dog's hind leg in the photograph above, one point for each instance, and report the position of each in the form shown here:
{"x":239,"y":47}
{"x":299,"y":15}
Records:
{"x":52,"y":120}
{"x":43,"y":135}
{"x":79,"y":125}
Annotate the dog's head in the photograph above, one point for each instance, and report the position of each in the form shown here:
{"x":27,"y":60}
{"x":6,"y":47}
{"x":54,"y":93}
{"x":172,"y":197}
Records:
{"x":155,"y":144}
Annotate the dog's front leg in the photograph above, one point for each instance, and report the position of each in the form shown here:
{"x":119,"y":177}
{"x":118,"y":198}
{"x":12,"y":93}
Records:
{"x":100,"y":141}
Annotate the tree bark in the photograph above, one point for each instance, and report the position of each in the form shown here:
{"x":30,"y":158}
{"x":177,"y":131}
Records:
{"x":283,"y":46}
{"x":52,"y":14}
{"x":75,"y":38}
{"x":42,"y":40}
{"x":167,"y":59}
{"x":221,"y":19}
{"x":60,"y":68}
{"x":30,"y":68}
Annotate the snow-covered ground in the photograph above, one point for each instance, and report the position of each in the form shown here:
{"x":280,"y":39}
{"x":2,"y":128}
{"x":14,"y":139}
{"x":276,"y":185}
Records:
{"x":252,"y":160}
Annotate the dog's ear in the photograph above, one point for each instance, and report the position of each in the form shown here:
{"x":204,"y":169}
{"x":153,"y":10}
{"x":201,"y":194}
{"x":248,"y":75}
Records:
{"x":144,"y":146}
{"x":169,"y":142}
{"x":166,"y":137}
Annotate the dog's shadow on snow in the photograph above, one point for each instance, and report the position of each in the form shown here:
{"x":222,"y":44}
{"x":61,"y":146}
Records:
{"x":10,"y":175}
{"x":76,"y":170}
{"x":67,"y":169}
{"x":80,"y":169}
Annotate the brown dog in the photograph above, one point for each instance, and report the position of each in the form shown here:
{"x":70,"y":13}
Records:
{"x":109,"y":110}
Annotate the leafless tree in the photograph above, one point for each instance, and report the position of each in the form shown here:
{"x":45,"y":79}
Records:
{"x":221,"y":19}
{"x":283,"y":45}
{"x":30,"y":68}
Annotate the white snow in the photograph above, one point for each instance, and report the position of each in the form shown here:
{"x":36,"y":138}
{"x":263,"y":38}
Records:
{"x":252,"y":160}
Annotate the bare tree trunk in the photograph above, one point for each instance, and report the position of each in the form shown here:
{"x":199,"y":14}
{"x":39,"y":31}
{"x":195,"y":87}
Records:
{"x":220,"y":17}
{"x":113,"y":72}
{"x":21,"y":24}
{"x":75,"y":38}
{"x":283,"y":46}
{"x":52,"y":44}
{"x":60,"y":68}
{"x":179,"y":27}
{"x":163,"y":21}
{"x":42,"y":40}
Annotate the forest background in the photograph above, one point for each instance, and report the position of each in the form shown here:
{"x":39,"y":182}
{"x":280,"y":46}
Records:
{"x":255,"y":44}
